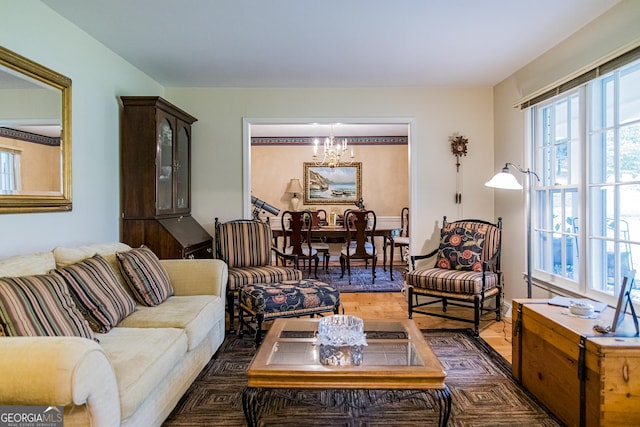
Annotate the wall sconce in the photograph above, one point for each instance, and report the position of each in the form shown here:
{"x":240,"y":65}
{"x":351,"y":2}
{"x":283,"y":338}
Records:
{"x":294,"y":188}
{"x":506,"y":181}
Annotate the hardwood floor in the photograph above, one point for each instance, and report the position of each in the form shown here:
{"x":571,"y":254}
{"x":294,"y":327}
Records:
{"x":393,"y":305}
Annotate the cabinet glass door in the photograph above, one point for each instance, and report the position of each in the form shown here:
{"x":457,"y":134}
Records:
{"x":182,"y":170}
{"x":165,"y":166}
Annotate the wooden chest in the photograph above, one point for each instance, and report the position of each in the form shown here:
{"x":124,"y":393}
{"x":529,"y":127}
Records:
{"x":585,"y":378}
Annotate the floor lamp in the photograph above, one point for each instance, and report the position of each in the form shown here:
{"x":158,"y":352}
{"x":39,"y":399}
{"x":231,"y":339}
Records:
{"x":506,"y":181}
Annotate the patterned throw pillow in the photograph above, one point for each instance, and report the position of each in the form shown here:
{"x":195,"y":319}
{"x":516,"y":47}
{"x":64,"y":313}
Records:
{"x":40,"y":306}
{"x":146,"y":277}
{"x":461,"y":249}
{"x":97,"y":292}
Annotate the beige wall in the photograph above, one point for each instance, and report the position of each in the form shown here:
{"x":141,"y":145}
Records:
{"x":435,"y":113}
{"x":614,"y":31}
{"x":385,"y":176}
{"x":43,"y":178}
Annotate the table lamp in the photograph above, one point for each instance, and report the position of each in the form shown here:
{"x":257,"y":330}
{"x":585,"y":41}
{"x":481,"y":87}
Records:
{"x":294,"y":188}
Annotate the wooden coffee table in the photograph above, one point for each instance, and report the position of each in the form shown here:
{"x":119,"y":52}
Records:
{"x":397,"y":362}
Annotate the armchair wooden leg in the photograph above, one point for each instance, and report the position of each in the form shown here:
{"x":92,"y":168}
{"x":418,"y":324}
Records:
{"x":259,"y":320}
{"x":476,"y":316}
{"x":230,"y":310}
{"x":410,"y":301}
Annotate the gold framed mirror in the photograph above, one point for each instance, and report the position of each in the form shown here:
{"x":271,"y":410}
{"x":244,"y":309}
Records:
{"x":35,"y":136}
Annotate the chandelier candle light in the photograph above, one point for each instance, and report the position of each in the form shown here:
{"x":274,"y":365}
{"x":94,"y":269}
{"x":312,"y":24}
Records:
{"x":333,"y":153}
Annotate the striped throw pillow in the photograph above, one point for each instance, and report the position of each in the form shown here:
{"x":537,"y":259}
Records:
{"x":98,"y":293}
{"x":40,"y":305}
{"x":146,"y":277}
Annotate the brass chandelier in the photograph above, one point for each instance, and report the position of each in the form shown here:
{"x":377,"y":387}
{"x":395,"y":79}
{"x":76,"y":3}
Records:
{"x":334,"y":153}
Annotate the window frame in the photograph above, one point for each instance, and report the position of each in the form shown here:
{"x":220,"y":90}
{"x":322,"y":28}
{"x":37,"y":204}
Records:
{"x":541,"y":193}
{"x":12,"y":175}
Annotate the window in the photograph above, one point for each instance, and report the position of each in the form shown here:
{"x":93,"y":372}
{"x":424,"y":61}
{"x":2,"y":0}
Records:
{"x":586,"y":150}
{"x":9,"y":171}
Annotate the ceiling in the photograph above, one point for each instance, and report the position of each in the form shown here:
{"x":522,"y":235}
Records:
{"x":329,"y":43}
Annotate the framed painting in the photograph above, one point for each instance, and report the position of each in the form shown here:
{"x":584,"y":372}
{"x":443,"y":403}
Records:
{"x":340,"y":185}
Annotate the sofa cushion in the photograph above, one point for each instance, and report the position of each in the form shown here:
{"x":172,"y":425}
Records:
{"x":27,"y":265}
{"x":239,"y":277}
{"x":453,"y":281}
{"x":195,"y":314}
{"x":39,"y":305}
{"x":142,"y":358}
{"x":65,"y":256}
{"x":97,"y":292}
{"x":146,"y":277}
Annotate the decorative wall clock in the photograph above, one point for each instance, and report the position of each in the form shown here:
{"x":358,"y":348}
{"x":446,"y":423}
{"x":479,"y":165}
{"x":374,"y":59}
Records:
{"x":458,"y":147}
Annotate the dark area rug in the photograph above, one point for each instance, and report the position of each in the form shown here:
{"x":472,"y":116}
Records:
{"x":483,"y":392}
{"x":361,"y":279}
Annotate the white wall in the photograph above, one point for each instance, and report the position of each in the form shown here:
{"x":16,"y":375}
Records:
{"x":617,"y":29}
{"x":98,"y":76}
{"x":217,"y":155}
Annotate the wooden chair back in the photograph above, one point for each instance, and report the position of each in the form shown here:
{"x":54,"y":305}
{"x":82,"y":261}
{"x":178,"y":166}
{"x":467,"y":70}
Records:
{"x":360,"y":226}
{"x":404,"y":222}
{"x":299,"y":231}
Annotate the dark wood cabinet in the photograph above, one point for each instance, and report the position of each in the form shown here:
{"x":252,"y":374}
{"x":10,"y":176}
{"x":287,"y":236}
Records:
{"x":155,"y":179}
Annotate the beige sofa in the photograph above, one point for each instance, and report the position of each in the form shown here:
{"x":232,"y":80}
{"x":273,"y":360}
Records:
{"x":138,"y":371}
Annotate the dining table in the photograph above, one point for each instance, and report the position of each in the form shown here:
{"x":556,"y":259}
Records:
{"x":339,"y":231}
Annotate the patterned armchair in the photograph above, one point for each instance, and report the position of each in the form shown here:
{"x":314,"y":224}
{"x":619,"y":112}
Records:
{"x":247,"y":247}
{"x":466,"y":273}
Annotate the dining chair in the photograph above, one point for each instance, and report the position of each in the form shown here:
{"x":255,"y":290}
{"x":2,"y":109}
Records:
{"x":297,"y":241}
{"x":401,"y":240}
{"x":322,"y":217}
{"x":360,"y":227}
{"x":320,"y":244}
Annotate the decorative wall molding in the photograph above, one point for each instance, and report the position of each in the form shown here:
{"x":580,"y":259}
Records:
{"x":29,"y":137}
{"x":352,"y":140}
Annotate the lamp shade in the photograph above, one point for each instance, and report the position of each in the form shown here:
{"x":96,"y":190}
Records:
{"x":294,"y":186}
{"x":504,"y":180}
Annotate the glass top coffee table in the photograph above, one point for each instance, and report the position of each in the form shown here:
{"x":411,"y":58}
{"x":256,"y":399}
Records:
{"x":397,"y":361}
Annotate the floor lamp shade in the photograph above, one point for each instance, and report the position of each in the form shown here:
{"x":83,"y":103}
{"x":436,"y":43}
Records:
{"x":504,"y":180}
{"x":294,"y":188}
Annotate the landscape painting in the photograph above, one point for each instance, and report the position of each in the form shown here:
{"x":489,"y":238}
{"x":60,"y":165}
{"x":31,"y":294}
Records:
{"x":340,"y":185}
